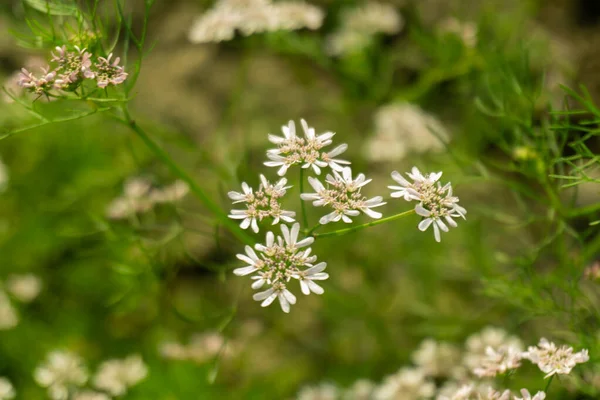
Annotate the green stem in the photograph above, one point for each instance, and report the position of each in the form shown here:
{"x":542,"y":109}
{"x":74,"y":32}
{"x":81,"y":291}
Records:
{"x":548,"y":384}
{"x":368,"y":224}
{"x":184,"y":176}
{"x":302,"y":202}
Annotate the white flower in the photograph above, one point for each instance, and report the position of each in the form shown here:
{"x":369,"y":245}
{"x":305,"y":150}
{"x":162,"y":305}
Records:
{"x":61,"y":371}
{"x":465,"y":30}
{"x":343,"y":195}
{"x":135,"y":199}
{"x":402,"y":128}
{"x":323,"y":391}
{"x":278,"y":261}
{"x":526,"y":396}
{"x":496,"y":395}
{"x":90,"y":395}
{"x":264,"y":203}
{"x":7,"y":391}
{"x":201,"y":348}
{"x":117,"y":376}
{"x":359,"y":24}
{"x":362,"y":389}
{"x":436,"y":359}
{"x":498,"y":361}
{"x":171,"y":193}
{"x":406,"y":384}
{"x":493,"y":337}
{"x":436,"y":203}
{"x":253,"y":16}
{"x":452,"y":390}
{"x":307,"y":151}
{"x":24,"y":287}
{"x":8,"y":315}
{"x":555,"y":360}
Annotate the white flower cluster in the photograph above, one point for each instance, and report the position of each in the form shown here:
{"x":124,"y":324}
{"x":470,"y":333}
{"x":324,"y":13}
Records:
{"x":260,"y":204}
{"x":23,"y":288}
{"x":139,"y":196}
{"x":402,"y":129}
{"x":65,"y":375}
{"x":343,"y":195}
{"x":253,"y":16}
{"x":200,"y":348}
{"x":358,"y":25}
{"x":552,"y":360}
{"x":278,"y":261}
{"x":436,"y":203}
{"x":443,"y":371}
{"x":7,"y":391}
{"x":307,"y":151}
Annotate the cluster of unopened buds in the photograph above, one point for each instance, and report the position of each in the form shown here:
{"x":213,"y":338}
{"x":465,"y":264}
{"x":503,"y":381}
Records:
{"x":69,"y":69}
{"x":283,"y":259}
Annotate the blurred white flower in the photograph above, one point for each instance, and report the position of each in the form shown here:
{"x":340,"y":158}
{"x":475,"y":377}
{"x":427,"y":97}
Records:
{"x":406,"y":384}
{"x":436,"y":359}
{"x":135,"y":199}
{"x":322,"y":391}
{"x":8,"y":315}
{"x":498,"y":361}
{"x":24,"y":287}
{"x":60,"y":372}
{"x":555,"y":360}
{"x":404,"y":128}
{"x":277,"y":262}
{"x":496,"y":338}
{"x":253,"y":16}
{"x":527,"y":396}
{"x":260,"y":204}
{"x":494,"y":394}
{"x":139,"y":196}
{"x":362,"y":389}
{"x":452,"y":390}
{"x":307,"y":151}
{"x":436,"y":203}
{"x":202,"y":347}
{"x":117,"y":376}
{"x":465,"y":30}
{"x":90,"y":395}
{"x":170,"y":193}
{"x":359,"y":24}
{"x":7,"y":391}
{"x":343,"y":195}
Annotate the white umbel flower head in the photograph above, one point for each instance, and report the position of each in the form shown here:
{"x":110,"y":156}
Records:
{"x":555,"y":360}
{"x":60,"y":372}
{"x":498,"y":361}
{"x":117,"y":376}
{"x":306,"y":151}
{"x":90,"y":395}
{"x":436,"y":359}
{"x":253,"y":16}
{"x":322,"y":391}
{"x":24,"y":288}
{"x":343,"y":195}
{"x":527,"y":396}
{"x":436,"y":203}
{"x":496,"y":338}
{"x":406,"y":384}
{"x":260,"y":204}
{"x":278,"y":261}
{"x":7,"y":391}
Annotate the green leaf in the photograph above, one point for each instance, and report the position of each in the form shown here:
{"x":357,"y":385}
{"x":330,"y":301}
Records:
{"x":54,"y":7}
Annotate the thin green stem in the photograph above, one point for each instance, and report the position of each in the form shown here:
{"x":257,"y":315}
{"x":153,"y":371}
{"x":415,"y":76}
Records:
{"x":368,"y":224}
{"x":548,"y":384}
{"x":302,"y":203}
{"x":311,"y":230}
{"x":184,"y":176}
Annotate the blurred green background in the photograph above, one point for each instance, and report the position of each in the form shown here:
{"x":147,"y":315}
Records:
{"x":112,"y":288}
